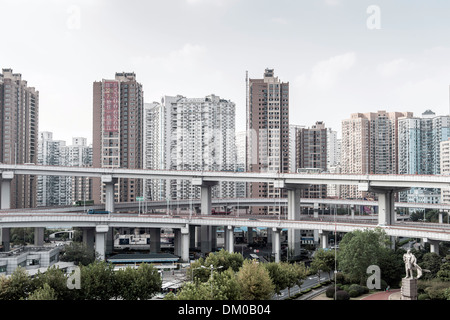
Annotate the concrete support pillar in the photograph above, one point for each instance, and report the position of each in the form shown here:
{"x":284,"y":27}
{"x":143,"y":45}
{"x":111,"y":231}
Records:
{"x":294,"y":235}
{"x":39,"y":236}
{"x":177,"y":242}
{"x":100,"y":240}
{"x":316,"y":210}
{"x":214,"y":238}
{"x":229,"y":238}
{"x":205,"y":238}
{"x":185,"y":244}
{"x":441,"y":216}
{"x":276,"y":244}
{"x":109,"y":182}
{"x":434,"y":245}
{"x":109,"y":241}
{"x":192,"y":239}
{"x":155,"y":240}
{"x":352,"y":211}
{"x":323,"y":239}
{"x":6,"y":241}
{"x":207,"y":234}
{"x":386,"y":202}
{"x":5,"y":198}
{"x":269,"y":235}
{"x":5,"y":203}
{"x":249,"y":235}
{"x":88,"y":237}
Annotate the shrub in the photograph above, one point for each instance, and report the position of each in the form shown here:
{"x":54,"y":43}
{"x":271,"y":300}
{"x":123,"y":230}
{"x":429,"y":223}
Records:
{"x":383,"y":284}
{"x":353,"y":293}
{"x":359,"y":289}
{"x":330,"y":292}
{"x":342,"y":295}
{"x":341,"y":278}
{"x":423,"y":296}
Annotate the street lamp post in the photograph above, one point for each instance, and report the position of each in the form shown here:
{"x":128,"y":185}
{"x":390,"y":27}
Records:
{"x":212,"y":269}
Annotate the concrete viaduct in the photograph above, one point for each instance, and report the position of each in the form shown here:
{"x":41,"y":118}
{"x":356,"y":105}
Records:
{"x":385,"y":186}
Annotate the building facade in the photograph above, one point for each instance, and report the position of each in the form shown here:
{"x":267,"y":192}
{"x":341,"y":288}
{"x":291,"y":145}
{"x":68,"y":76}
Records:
{"x":118,"y":133}
{"x":267,"y":134}
{"x":445,"y":167}
{"x":419,"y":150}
{"x":369,"y":145}
{"x":312,"y":155}
{"x":60,"y":190}
{"x":19,"y":125}
{"x":195,"y":134}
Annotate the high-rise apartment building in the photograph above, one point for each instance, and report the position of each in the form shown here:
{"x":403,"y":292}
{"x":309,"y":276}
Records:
{"x":190,"y":134}
{"x":118,"y":132}
{"x":19,"y":125}
{"x":419,"y":151}
{"x":62,"y":190}
{"x":52,"y":190}
{"x":241,"y":140}
{"x":312,"y":155}
{"x":267,"y":133}
{"x":445,"y":167}
{"x":369,"y":145}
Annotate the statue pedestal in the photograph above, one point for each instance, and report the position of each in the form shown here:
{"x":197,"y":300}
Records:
{"x":409,"y":289}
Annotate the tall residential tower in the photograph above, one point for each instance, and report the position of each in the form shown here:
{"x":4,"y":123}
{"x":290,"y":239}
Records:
{"x":267,"y":133}
{"x":118,"y":132}
{"x":19,"y":125}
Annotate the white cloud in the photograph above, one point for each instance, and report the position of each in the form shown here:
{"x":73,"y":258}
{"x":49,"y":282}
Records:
{"x":219,"y":3}
{"x":279,"y":20}
{"x":332,"y":3}
{"x":325,"y":73}
{"x":394,"y":67}
{"x":184,"y":58}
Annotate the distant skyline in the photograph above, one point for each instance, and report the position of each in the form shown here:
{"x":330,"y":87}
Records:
{"x":335,"y":62}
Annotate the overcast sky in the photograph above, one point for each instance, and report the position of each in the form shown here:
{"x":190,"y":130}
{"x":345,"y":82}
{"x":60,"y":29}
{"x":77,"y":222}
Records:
{"x":339,"y":56}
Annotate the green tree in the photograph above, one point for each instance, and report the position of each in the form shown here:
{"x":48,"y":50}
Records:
{"x":4,"y":287}
{"x":255,"y":282}
{"x":278,"y":275}
{"x":323,"y":261}
{"x":225,"y":285}
{"x":56,"y":280}
{"x":148,"y":281}
{"x":44,"y":293}
{"x":391,"y":266}
{"x":431,"y":261}
{"x":19,"y":285}
{"x":296,"y":273}
{"x":97,"y":281}
{"x":444,"y":272}
{"x":78,"y":253}
{"x":192,"y":291}
{"x":225,"y":259}
{"x":200,"y":270}
{"x":360,"y":249}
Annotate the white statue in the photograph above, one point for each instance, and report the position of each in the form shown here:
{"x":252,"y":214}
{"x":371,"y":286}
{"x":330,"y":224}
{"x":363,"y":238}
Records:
{"x":410,"y":261}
